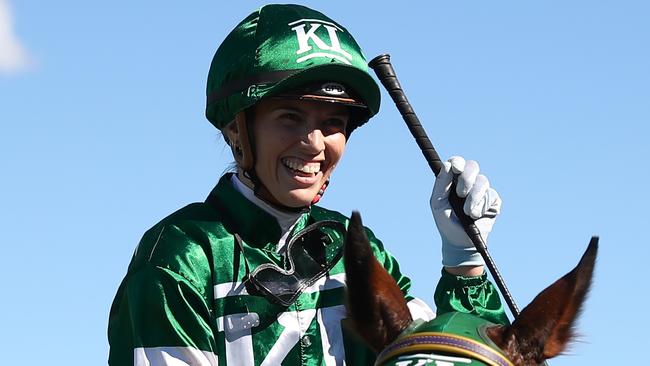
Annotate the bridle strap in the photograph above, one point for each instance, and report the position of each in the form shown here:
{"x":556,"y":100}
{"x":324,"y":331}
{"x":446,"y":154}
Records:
{"x":443,"y":342}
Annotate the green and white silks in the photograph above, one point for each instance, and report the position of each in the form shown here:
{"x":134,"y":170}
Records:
{"x":182,"y":300}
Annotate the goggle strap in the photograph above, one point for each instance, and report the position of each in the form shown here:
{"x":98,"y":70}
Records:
{"x":243,"y":254}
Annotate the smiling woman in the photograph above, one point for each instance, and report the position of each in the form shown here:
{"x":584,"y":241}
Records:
{"x":253,"y":275}
{"x":297,"y":145}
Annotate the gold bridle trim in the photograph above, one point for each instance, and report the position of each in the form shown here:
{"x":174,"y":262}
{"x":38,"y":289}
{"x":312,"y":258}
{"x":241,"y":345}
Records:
{"x":498,"y":359}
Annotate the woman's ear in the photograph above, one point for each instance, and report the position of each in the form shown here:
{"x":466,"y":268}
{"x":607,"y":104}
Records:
{"x":236,"y":133}
{"x":231,"y":134}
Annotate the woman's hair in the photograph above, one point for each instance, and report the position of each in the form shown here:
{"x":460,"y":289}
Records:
{"x":232,"y":166}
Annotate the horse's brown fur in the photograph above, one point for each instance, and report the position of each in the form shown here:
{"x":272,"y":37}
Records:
{"x":378,"y":305}
{"x":541,"y":331}
{"x":545,"y":326}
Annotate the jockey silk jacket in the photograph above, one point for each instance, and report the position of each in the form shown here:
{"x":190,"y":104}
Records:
{"x":183,"y":300}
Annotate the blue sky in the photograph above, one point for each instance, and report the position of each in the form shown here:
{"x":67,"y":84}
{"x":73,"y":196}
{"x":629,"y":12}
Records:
{"x":103,"y":134}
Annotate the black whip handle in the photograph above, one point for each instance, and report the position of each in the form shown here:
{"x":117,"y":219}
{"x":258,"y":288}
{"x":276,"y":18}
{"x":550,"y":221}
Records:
{"x":386,"y":74}
{"x":384,"y":70}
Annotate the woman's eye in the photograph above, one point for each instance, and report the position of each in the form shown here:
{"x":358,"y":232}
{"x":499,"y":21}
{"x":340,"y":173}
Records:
{"x":334,"y":125}
{"x":290,"y":118}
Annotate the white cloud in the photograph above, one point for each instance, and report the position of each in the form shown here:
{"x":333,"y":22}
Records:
{"x":13,"y":56}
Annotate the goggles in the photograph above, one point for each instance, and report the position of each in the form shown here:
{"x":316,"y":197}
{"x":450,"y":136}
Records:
{"x":310,"y":254}
{"x":325,"y":92}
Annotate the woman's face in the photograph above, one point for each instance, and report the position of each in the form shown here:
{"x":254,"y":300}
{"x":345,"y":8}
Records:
{"x":298,"y":144}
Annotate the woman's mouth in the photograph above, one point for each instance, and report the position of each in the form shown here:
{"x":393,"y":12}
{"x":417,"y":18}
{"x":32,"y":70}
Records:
{"x":302,"y":168}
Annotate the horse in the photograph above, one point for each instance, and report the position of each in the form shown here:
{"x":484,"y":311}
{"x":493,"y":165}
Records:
{"x":381,"y":317}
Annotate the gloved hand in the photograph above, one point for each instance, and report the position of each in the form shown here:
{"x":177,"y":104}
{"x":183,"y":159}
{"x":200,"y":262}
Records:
{"x":482,"y":204}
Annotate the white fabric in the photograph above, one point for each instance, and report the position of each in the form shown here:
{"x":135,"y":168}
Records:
{"x":329,"y":320}
{"x":286,"y":220}
{"x":420,"y":310}
{"x":482,"y":204}
{"x":173,"y":356}
{"x":238,"y":322}
{"x":296,"y":324}
{"x":239,"y":342}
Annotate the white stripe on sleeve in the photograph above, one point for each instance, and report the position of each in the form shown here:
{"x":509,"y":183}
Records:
{"x":173,"y":356}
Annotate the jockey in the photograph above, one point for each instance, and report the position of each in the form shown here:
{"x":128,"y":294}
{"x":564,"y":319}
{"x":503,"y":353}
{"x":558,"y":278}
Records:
{"x":254,"y":274}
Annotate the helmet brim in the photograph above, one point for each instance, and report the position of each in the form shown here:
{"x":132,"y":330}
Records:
{"x":363,"y":85}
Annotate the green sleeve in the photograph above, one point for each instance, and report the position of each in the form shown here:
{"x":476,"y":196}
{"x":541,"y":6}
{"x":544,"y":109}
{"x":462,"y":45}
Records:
{"x":473,"y":295}
{"x":158,"y":310}
{"x":390,"y":264}
{"x":162,"y":310}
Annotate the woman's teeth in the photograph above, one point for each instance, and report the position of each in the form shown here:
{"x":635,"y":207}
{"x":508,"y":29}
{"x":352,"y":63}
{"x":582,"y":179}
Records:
{"x":297,"y":165}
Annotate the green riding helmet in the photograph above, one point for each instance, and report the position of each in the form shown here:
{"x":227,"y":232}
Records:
{"x":280,"y":49}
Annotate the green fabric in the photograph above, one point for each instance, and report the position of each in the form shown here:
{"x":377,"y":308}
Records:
{"x":462,"y":324}
{"x":304,"y":44}
{"x":176,"y":291}
{"x":182,"y":292}
{"x":472,"y":295}
{"x":464,"y":306}
{"x":455,"y":323}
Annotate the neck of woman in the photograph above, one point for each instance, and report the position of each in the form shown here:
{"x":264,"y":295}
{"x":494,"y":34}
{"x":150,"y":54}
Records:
{"x":286,"y":219}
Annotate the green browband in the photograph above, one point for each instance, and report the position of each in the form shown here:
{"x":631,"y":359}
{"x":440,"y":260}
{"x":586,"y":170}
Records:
{"x":457,"y":338}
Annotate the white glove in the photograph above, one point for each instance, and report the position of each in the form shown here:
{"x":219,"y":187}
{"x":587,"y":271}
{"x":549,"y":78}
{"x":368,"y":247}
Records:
{"x":482,"y":204}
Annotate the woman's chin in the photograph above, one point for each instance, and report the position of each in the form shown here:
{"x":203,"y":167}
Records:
{"x":289,"y":197}
{"x":298,"y":198}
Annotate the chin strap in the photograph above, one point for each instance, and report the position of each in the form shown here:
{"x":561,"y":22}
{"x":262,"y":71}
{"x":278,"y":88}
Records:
{"x":245,"y":151}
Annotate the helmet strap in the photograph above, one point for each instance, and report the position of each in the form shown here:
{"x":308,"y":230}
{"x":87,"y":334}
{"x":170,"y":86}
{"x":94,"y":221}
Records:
{"x":244,"y":150}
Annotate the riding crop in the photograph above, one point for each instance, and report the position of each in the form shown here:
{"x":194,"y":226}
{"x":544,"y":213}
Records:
{"x":384,"y":70}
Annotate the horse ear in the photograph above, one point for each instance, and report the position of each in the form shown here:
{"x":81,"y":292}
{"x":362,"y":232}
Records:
{"x":545,"y":326}
{"x":375,"y":302}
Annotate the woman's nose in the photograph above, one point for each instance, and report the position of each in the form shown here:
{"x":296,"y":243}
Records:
{"x":314,"y":140}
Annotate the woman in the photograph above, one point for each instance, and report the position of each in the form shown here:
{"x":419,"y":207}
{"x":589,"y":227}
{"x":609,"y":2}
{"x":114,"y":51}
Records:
{"x":253,"y":276}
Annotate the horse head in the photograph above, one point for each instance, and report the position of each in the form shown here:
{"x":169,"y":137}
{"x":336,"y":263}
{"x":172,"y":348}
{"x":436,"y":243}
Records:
{"x":381,"y":317}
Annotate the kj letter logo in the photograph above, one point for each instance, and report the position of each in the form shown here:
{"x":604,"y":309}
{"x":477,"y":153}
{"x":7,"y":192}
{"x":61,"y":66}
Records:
{"x":310,"y":34}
